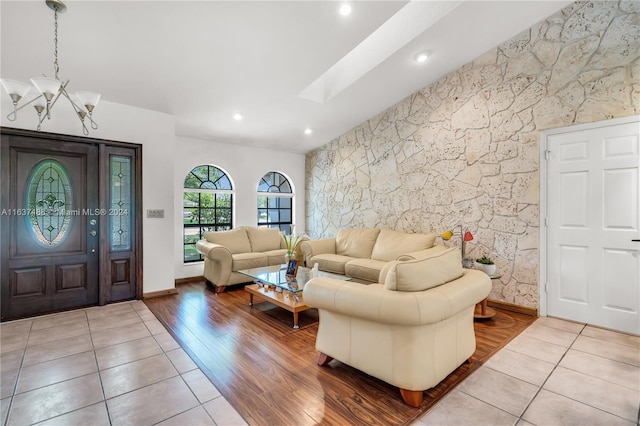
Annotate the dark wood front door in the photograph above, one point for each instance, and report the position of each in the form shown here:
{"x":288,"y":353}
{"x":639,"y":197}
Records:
{"x":50,"y":225}
{"x":70,"y":223}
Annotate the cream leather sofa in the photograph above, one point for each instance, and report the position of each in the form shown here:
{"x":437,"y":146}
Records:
{"x":411,"y":329}
{"x":227,"y":252}
{"x":363,"y":253}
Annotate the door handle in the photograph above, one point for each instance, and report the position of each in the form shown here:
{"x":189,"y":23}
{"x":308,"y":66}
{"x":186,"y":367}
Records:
{"x":93,"y":233}
{"x":636,"y":241}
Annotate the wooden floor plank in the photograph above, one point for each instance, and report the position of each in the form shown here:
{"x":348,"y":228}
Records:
{"x":268,"y":372}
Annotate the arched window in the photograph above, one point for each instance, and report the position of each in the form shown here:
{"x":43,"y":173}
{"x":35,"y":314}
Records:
{"x":275,"y":210}
{"x":207,"y":206}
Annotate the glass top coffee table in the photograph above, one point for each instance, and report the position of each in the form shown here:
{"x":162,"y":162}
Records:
{"x":273,"y":285}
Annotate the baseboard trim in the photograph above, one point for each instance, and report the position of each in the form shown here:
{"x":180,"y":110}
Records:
{"x":512,"y":307}
{"x":152,"y":294}
{"x":189,"y":279}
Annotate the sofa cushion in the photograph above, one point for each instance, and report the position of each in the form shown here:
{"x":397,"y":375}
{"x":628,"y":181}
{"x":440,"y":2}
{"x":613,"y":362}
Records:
{"x":426,"y":273}
{"x":356,"y":242}
{"x":365,"y":269}
{"x":264,"y":239}
{"x":248,"y":261}
{"x":276,"y":257}
{"x":235,"y":240}
{"x":391,"y":244}
{"x":421,"y":254}
{"x":329,"y":262}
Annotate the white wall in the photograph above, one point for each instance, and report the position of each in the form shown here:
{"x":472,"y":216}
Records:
{"x":245,"y":166}
{"x":156,"y":133}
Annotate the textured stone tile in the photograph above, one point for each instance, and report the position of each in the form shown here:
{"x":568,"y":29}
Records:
{"x":7,"y":383}
{"x":105,"y":323}
{"x":94,"y":415}
{"x":570,"y":326}
{"x":536,"y":348}
{"x":109,"y":310}
{"x":549,"y":408}
{"x":606,"y":369}
{"x":155,"y":327}
{"x":57,"y":333}
{"x":58,"y":349}
{"x":14,"y":327}
{"x":194,"y":417}
{"x":55,"y":371}
{"x":200,"y":385}
{"x":448,"y":412}
{"x":500,"y":390}
{"x":181,"y":361}
{"x":597,"y":393}
{"x":166,"y":342}
{"x":135,"y":375}
{"x":550,"y":335}
{"x":612,"y":336}
{"x":56,"y":320}
{"x":223,"y":413}
{"x":54,"y":400}
{"x":152,"y":404}
{"x":614,"y":351}
{"x":523,"y":367}
{"x":11,"y":360}
{"x":112,"y":356}
{"x":4,"y":409}
{"x":13,"y":342}
{"x":125,"y":333}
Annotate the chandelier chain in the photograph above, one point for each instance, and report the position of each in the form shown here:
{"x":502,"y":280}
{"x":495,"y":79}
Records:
{"x":56,"y":67}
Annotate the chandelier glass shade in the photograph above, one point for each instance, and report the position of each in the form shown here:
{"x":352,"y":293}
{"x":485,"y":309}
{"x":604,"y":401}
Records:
{"x":45,"y":91}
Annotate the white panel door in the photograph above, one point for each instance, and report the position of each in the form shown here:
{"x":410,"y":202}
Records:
{"x":593,"y":264}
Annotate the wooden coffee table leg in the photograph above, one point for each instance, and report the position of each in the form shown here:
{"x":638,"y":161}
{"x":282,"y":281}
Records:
{"x":250,"y":299}
{"x":295,"y":320}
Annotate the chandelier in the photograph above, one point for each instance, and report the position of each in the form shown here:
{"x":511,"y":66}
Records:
{"x":51,"y":89}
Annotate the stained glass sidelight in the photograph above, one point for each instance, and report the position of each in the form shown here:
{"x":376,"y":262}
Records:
{"x":120,"y":203}
{"x":49,"y":202}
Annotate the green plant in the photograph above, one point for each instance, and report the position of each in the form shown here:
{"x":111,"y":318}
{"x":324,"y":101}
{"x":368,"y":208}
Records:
{"x":485,"y":260}
{"x":291,"y":242}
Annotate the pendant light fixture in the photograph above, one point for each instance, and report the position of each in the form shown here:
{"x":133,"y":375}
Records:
{"x":50,"y":89}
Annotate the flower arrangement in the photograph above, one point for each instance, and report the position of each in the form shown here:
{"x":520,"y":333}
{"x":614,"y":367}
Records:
{"x":291,"y":242}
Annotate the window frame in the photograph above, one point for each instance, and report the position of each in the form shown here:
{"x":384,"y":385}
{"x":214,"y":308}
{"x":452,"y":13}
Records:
{"x":284,"y":226}
{"x":201,"y":226}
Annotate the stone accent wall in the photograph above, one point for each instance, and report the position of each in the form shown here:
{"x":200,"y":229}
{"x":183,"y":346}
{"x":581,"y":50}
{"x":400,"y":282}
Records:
{"x":466,"y":148}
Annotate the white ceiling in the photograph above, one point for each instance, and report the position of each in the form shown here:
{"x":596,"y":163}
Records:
{"x":203,"y":61}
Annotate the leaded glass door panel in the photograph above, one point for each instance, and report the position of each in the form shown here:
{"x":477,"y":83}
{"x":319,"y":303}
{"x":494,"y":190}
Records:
{"x":50,"y":225}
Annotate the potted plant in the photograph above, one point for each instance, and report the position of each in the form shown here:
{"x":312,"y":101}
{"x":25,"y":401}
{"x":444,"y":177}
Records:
{"x":487,"y":265}
{"x":291,"y":243}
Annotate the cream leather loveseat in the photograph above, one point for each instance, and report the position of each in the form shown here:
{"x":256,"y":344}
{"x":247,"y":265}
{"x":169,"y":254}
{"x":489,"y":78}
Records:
{"x":227,"y":252}
{"x":363,"y":253}
{"x":411,"y":329}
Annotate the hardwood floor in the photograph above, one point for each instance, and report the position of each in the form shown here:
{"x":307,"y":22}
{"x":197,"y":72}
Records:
{"x":268,"y":372}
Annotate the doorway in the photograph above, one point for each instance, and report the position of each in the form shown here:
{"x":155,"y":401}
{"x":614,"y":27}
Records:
{"x":70,"y":222}
{"x":590,"y":221}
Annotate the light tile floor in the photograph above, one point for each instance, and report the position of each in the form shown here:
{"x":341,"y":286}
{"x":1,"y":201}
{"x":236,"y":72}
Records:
{"x":555,"y":372}
{"x":117,"y":365}
{"x":109,"y":365}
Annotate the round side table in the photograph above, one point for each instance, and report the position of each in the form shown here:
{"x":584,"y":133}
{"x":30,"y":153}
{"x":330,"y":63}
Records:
{"x":482,"y":311}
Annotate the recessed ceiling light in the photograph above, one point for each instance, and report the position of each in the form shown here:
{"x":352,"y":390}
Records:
{"x":308,"y":131}
{"x":345,"y":9}
{"x":237,"y":117}
{"x":421,"y":57}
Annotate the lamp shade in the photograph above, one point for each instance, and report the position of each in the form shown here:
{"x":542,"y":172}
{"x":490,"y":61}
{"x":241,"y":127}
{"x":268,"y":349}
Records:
{"x":15,"y":88}
{"x":89,"y":99}
{"x":446,"y":235}
{"x":46,"y":85}
{"x":468,"y":236}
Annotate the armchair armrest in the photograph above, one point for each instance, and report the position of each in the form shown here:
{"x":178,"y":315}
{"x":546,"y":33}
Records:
{"x":375,"y":303}
{"x":213,"y":251}
{"x":218,"y":262}
{"x":312,"y":248}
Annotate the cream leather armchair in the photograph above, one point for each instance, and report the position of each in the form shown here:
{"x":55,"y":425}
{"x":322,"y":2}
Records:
{"x":411,"y":330}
